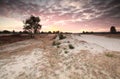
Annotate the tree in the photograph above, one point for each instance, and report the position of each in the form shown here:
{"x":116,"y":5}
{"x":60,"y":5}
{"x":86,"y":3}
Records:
{"x":6,"y":31}
{"x":31,"y":25}
{"x":13,"y":31}
{"x":83,"y":32}
{"x":113,"y":29}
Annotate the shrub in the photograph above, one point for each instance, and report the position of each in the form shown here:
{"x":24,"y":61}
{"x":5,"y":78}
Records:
{"x":71,"y":46}
{"x":58,"y":46}
{"x":66,"y":52}
{"x":55,"y":43}
{"x":61,"y":36}
{"x":109,"y":55}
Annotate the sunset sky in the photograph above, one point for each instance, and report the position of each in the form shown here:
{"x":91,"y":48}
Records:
{"x":62,"y":15}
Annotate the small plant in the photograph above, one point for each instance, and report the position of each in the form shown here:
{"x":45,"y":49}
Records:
{"x":66,"y":52}
{"x":71,"y":46}
{"x":56,"y":43}
{"x":58,"y":46}
{"x":61,"y":36}
{"x":109,"y":55}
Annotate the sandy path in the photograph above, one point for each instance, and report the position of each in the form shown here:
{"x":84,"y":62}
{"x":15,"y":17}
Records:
{"x":108,"y":43}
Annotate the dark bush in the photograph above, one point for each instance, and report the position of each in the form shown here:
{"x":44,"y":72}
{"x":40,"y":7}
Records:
{"x":109,"y":55}
{"x":58,"y":46}
{"x":113,"y":29}
{"x":66,"y":52}
{"x":55,"y":43}
{"x":61,"y":36}
{"x":71,"y":46}
{"x":6,"y":31}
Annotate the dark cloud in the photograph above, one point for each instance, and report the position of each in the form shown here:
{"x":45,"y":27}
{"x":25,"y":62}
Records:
{"x":115,"y":2}
{"x":18,"y":9}
{"x":75,"y":9}
{"x":88,"y":11}
{"x":114,"y":12}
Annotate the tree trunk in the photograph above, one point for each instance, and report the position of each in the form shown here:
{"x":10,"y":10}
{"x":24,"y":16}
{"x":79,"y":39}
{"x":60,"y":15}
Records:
{"x":35,"y":31}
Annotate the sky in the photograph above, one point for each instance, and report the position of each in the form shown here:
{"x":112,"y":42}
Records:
{"x":62,"y":15}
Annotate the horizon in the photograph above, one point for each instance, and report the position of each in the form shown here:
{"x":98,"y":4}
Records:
{"x":63,"y":15}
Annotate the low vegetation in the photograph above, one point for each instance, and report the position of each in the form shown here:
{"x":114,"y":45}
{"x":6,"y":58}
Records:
{"x":56,"y":43}
{"x":13,"y":38}
{"x":66,"y":52}
{"x":71,"y":46}
{"x":58,"y":46}
{"x":109,"y":55}
{"x":61,"y":36}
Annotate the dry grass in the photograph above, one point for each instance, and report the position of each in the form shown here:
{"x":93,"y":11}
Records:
{"x":13,"y":38}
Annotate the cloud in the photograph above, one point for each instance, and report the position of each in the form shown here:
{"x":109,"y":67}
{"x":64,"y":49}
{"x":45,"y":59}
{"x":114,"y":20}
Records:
{"x":61,"y":11}
{"x":59,"y":7}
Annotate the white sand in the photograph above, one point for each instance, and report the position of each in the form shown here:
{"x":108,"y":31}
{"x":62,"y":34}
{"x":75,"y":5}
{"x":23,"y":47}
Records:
{"x":108,"y":43}
{"x":83,"y":43}
{"x":26,"y":64}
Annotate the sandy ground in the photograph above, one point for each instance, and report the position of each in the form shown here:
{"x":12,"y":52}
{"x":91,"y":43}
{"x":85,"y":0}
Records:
{"x":93,"y":57}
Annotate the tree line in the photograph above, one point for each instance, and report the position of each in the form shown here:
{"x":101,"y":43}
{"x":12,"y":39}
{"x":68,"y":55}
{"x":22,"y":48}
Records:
{"x":32,"y":27}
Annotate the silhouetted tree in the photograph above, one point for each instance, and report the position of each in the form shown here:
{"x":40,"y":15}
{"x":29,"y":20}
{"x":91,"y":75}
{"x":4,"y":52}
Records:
{"x":113,"y":29}
{"x":83,"y":32}
{"x":20,"y":32}
{"x":6,"y":31}
{"x":58,"y":32}
{"x":42,"y":32}
{"x":53,"y":32}
{"x":25,"y":32}
{"x":49,"y":32}
{"x":32,"y":25}
{"x":13,"y":31}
